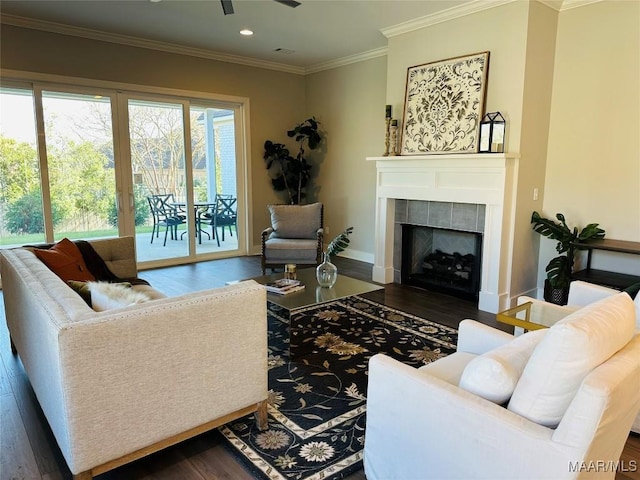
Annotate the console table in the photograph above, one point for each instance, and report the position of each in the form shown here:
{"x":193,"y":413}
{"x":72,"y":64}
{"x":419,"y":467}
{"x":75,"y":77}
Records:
{"x":602,"y":277}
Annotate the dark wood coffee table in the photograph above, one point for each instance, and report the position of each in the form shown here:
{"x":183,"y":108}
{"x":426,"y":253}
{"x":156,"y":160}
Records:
{"x":312,"y":295}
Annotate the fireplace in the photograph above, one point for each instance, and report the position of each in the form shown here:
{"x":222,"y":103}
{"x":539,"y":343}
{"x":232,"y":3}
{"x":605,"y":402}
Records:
{"x":459,"y":183}
{"x":441,"y":259}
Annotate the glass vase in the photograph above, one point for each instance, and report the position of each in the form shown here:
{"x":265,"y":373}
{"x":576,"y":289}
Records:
{"x":326,"y":272}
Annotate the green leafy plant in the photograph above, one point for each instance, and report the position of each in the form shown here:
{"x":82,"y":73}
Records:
{"x":291,"y":174}
{"x":560,"y":268}
{"x":339,"y":243}
{"x":24,"y":215}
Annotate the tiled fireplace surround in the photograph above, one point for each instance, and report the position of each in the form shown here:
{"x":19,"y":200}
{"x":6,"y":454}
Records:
{"x":444,"y":216}
{"x":471,"y":192}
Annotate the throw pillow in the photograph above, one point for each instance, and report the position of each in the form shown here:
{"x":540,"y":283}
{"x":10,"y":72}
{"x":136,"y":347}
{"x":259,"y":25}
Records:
{"x":65,"y":260}
{"x":568,"y":352}
{"x":82,"y":289}
{"x":633,"y":290}
{"x":494,"y":375}
{"x":295,"y":221}
{"x":107,"y":296}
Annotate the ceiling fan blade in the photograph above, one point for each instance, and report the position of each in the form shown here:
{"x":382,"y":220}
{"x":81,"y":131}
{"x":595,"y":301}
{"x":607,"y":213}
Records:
{"x":227,"y":7}
{"x":289,"y":3}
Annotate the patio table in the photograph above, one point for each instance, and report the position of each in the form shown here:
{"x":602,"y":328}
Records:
{"x":199,"y":209}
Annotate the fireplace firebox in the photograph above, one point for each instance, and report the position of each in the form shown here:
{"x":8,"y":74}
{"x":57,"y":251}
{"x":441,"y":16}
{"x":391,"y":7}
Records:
{"x":441,"y":259}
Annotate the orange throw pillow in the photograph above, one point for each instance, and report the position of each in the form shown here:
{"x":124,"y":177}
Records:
{"x":65,"y":260}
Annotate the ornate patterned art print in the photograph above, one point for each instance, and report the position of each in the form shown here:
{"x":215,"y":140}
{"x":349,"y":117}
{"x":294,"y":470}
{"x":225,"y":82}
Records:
{"x":444,"y":104}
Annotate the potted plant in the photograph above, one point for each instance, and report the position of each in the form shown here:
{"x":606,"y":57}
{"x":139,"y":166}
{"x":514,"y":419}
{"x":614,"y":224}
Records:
{"x":560,"y":268}
{"x":291,"y":174}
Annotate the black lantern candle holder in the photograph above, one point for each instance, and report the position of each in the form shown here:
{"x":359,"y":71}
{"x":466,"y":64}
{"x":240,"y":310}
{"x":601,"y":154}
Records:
{"x":492,"y":132}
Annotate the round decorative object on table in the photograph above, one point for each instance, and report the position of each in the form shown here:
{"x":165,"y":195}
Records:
{"x":326,"y":272}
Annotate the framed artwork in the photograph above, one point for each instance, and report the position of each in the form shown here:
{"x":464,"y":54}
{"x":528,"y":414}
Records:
{"x":443,"y":105}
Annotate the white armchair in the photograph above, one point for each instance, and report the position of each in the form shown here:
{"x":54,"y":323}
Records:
{"x":422,"y":425}
{"x":582,"y":294}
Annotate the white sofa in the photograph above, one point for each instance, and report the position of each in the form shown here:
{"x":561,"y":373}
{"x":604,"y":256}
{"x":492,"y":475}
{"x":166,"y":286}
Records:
{"x":564,"y":402}
{"x":119,"y":384}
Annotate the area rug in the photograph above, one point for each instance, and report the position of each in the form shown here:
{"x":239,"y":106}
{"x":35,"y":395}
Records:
{"x":317,"y":400}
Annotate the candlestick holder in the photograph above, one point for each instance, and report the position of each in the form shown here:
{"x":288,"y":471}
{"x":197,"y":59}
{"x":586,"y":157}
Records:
{"x":394,"y":138}
{"x":387,"y":137}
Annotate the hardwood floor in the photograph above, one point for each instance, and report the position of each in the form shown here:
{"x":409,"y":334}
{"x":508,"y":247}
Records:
{"x":29,"y":450}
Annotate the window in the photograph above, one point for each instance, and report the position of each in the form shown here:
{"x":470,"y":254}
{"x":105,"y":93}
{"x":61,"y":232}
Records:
{"x":104,"y":152}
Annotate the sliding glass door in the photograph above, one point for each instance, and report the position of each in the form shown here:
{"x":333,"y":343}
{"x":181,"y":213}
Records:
{"x":64,"y":185}
{"x":157,"y":152}
{"x":215,"y":179}
{"x":185,"y":204}
{"x":88,"y":163}
{"x":21,"y":207}
{"x":81,"y":168}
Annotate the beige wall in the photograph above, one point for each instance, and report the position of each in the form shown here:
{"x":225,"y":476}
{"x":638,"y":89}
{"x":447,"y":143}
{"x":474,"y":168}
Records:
{"x":505,"y":32}
{"x":593,"y":164}
{"x":277,"y":100}
{"x":349,"y":101}
{"x":501,"y":31}
{"x":536,"y":111}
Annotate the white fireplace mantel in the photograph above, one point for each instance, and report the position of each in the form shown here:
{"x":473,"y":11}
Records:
{"x":488,"y":179}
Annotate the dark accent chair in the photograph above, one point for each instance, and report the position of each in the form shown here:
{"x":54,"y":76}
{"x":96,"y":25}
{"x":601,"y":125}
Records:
{"x":295,"y":236}
{"x":223,"y":214}
{"x":165,"y":214}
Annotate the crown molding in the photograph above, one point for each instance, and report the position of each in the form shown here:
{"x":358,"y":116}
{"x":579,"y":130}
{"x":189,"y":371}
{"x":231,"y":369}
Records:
{"x":470,"y":8}
{"x":442,"y":16}
{"x":131,"y":41}
{"x":341,"y":62}
{"x":145,"y":43}
{"x":571,"y":4}
{"x":552,"y":4}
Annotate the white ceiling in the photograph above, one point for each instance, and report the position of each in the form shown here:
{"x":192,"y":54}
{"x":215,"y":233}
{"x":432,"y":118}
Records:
{"x":318,"y":32}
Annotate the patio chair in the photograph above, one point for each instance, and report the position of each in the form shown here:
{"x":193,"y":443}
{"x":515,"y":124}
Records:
{"x":165,"y":214}
{"x":223,"y":214}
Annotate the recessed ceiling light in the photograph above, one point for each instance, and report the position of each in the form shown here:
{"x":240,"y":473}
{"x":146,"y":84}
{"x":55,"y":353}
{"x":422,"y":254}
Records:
{"x":246,"y":31}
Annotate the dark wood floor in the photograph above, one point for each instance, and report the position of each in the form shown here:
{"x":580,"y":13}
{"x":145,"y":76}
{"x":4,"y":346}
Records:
{"x":29,"y":451}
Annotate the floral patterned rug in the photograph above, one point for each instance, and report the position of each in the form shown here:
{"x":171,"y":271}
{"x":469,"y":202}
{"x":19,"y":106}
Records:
{"x":317,"y":400}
